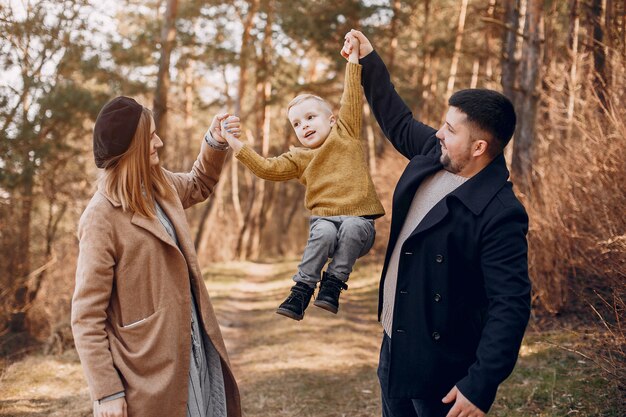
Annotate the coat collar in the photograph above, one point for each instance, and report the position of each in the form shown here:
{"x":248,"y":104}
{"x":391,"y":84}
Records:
{"x":480,"y":189}
{"x":153,"y":225}
{"x":475,"y":193}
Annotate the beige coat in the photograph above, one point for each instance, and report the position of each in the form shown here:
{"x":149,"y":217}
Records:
{"x":131,"y":311}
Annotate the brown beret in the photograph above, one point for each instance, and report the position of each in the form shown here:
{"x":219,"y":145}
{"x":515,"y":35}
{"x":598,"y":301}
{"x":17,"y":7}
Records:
{"x":114,"y":129}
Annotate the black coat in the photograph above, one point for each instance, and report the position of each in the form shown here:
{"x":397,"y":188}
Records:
{"x":462,"y":300}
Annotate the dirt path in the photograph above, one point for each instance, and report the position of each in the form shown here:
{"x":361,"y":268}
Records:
{"x":323,"y":365}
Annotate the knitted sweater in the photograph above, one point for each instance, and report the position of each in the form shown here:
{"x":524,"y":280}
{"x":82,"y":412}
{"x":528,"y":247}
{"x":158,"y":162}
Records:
{"x":335,"y":175}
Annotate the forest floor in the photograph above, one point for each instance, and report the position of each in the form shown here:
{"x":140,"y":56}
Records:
{"x":325,"y":365}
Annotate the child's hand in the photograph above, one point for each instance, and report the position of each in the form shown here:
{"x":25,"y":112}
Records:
{"x":231,"y":132}
{"x":231,"y":125}
{"x":354,"y":43}
{"x":364,"y":47}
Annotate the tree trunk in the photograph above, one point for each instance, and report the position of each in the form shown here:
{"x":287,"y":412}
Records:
{"x":430,"y":106}
{"x":573,"y":47}
{"x":168,"y":37}
{"x":253,"y":7}
{"x":600,"y":80}
{"x":509,"y":49}
{"x":266,"y":93}
{"x":475,"y":69}
{"x":210,"y":209}
{"x":424,"y":78}
{"x":243,"y":79}
{"x":189,"y":142}
{"x":457,"y":49}
{"x":393,"y":46}
{"x":489,"y":36}
{"x":21,"y":262}
{"x":527,"y":110}
{"x":283,"y":198}
{"x":250,"y":235}
{"x":260,"y":200}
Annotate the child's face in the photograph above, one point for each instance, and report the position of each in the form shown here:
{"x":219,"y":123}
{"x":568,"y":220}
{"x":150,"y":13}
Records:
{"x":312,"y":122}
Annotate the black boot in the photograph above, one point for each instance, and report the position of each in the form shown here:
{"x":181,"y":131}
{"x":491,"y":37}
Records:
{"x":328,"y":295}
{"x":295,"y":304}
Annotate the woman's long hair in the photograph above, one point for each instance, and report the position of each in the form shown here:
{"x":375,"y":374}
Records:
{"x":131,"y":180}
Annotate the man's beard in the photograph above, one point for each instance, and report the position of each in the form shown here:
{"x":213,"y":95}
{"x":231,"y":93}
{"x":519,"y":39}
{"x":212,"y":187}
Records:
{"x":454,"y":166}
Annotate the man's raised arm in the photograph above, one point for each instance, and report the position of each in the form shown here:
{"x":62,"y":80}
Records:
{"x":394,"y":117}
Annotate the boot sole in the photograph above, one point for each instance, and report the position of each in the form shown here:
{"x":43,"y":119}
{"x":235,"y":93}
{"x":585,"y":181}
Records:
{"x":326,"y":306}
{"x":289,"y":314}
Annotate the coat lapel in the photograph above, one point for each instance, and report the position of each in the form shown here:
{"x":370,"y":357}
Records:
{"x":418,"y":168}
{"x":154,"y":226}
{"x":434,"y":216}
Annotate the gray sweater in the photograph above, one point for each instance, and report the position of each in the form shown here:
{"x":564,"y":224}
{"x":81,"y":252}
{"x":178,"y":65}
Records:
{"x":429,"y":193}
{"x":207,"y":397}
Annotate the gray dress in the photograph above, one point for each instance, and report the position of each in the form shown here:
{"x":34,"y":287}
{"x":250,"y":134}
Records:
{"x":207,"y":397}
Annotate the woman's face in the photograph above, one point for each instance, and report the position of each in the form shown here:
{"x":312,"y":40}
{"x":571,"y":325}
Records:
{"x":155,"y":144}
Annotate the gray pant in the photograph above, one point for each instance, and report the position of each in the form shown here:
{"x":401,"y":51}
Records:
{"x":342,"y":238}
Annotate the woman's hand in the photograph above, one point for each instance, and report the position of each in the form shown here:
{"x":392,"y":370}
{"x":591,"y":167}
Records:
{"x":215,"y":128}
{"x":113,"y":408}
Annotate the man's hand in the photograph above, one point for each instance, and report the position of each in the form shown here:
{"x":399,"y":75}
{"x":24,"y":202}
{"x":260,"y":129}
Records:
{"x":462,"y":406}
{"x":365,"y":47}
{"x":113,"y":408}
{"x":231,"y":131}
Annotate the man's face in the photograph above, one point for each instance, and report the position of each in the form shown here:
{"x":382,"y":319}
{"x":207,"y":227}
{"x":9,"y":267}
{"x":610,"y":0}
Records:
{"x":455,"y":139}
{"x":312,"y":122}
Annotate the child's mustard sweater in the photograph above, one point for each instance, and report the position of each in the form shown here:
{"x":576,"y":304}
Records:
{"x":335,"y":175}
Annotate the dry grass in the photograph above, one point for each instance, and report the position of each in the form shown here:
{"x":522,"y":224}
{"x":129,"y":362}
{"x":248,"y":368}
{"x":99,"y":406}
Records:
{"x":40,"y":386}
{"x":325,"y":365}
{"x":577,"y":238}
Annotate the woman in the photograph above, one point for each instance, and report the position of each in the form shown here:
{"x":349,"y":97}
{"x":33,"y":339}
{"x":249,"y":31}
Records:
{"x":143,"y":324}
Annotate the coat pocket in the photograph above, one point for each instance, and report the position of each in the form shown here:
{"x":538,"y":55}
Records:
{"x":138,"y":335}
{"x":145,"y":351}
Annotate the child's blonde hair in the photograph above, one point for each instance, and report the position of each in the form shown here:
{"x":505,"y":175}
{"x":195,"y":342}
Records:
{"x":304,"y":97}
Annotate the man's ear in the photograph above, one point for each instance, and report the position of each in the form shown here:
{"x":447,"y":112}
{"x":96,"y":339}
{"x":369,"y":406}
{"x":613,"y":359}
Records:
{"x":479,"y":147}
{"x":332,"y":119}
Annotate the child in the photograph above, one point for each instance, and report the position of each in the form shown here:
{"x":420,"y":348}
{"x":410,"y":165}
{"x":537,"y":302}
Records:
{"x":339,"y":190}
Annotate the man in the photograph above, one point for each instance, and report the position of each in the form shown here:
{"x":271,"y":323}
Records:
{"x":454,"y":296}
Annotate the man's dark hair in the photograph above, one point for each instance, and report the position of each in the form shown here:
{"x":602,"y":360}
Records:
{"x":491,"y":111}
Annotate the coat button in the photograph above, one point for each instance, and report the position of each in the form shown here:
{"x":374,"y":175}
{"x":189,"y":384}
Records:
{"x":437,"y":297}
{"x":436,"y":336}
{"x":403,"y":292}
{"x":439,"y":259}
{"x":399,"y":330}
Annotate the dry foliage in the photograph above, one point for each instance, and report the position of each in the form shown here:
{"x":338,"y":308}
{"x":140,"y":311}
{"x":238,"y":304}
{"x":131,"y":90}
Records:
{"x":577,"y":238}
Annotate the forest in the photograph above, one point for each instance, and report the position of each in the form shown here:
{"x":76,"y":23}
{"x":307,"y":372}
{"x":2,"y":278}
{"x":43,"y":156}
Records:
{"x":562,"y":64}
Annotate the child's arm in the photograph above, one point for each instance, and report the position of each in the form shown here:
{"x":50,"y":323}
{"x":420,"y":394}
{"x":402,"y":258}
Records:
{"x":394,"y":117}
{"x":352,"y":98}
{"x":281,"y":168}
